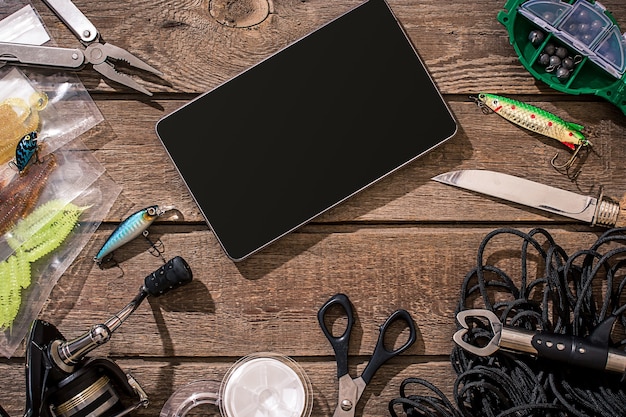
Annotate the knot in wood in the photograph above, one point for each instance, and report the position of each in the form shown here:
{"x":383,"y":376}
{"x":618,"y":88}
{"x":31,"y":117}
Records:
{"x":239,"y":13}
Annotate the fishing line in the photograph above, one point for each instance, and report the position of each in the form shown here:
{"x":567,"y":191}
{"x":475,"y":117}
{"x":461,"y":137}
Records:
{"x":260,"y":384}
{"x":553,"y":292}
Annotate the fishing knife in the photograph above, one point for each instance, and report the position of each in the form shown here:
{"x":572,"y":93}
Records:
{"x":601,"y":210}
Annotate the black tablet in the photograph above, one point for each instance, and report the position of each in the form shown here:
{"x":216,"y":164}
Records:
{"x":306,"y":128}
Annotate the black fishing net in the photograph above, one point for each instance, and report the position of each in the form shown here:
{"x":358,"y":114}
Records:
{"x":549,"y":291}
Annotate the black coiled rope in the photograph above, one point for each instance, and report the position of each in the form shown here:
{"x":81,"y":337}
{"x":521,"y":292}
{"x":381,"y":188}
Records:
{"x":554,"y":292}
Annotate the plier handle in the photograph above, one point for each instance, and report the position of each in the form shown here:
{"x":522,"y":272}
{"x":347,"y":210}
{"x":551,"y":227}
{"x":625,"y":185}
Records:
{"x":74,"y":19}
{"x":99,"y":54}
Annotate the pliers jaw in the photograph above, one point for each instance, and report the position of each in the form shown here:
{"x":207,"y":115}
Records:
{"x":100,"y":56}
{"x":479,"y":315}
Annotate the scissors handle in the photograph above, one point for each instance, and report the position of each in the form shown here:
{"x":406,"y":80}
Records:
{"x":339,"y":343}
{"x":381,"y":353}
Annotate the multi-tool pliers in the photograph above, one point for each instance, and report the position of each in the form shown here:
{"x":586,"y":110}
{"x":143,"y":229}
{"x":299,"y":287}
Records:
{"x":99,"y":54}
{"x":591,"y":352}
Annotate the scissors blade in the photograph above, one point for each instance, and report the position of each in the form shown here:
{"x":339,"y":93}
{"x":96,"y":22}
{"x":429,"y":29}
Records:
{"x":360,"y":387}
{"x":350,"y":391}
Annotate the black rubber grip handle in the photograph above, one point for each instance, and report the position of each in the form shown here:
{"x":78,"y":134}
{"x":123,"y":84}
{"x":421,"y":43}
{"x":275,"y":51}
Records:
{"x":173,"y":274}
{"x":570,"y":349}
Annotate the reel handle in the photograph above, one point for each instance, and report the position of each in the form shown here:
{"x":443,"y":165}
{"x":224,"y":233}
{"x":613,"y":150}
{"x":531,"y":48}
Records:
{"x":173,"y":274}
{"x":67,"y":354}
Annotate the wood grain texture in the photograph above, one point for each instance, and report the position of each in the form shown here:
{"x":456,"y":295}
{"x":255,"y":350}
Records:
{"x":482,"y":142}
{"x":405,"y":242}
{"x":195,"y":52}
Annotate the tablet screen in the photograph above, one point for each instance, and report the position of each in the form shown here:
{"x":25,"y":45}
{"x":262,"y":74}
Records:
{"x":306,"y":128}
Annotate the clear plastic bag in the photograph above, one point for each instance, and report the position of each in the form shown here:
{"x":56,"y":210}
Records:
{"x":68,"y":112}
{"x":50,"y":208}
{"x":63,"y":175}
{"x":93,"y":201}
{"x":76,"y":180}
{"x":20,"y":23}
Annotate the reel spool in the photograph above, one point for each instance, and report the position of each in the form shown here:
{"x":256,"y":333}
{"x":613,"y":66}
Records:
{"x":96,"y":389}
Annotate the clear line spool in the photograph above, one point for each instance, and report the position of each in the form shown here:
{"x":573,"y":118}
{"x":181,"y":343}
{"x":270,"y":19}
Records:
{"x":258,"y":385}
{"x":266,"y":385}
{"x":198,"y":395}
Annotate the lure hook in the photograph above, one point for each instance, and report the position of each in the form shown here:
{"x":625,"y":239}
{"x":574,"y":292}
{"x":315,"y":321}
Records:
{"x":570,"y":161}
{"x":156,"y":248}
{"x":567,"y":165}
{"x":482,"y":106}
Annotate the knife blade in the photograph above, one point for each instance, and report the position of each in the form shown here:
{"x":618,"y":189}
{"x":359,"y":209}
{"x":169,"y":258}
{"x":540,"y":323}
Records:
{"x":601,"y":211}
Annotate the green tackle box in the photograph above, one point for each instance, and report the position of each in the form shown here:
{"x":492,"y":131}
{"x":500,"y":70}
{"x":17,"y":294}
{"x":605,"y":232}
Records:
{"x":575,"y":47}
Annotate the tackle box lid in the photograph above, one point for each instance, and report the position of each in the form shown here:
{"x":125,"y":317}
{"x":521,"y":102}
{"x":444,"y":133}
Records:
{"x":583,"y":26}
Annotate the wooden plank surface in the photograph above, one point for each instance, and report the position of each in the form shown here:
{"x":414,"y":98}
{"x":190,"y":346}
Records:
{"x":405,"y":242}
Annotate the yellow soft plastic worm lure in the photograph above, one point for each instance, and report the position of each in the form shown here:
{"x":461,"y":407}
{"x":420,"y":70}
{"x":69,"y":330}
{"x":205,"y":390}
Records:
{"x":537,"y":120}
{"x":34,"y":237}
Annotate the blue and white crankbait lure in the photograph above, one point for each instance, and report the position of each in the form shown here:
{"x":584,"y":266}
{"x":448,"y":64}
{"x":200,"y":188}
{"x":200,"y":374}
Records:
{"x":26,"y":148}
{"x":133,"y":226}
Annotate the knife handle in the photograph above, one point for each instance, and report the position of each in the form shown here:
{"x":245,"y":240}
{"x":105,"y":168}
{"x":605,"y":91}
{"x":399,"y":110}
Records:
{"x":620,"y":221}
{"x":609,"y":212}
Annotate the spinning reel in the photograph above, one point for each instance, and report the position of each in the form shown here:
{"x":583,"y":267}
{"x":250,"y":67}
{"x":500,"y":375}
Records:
{"x":62,"y":382}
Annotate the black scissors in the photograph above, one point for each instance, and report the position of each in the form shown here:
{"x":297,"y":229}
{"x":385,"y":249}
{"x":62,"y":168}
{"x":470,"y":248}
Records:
{"x":351,"y":390}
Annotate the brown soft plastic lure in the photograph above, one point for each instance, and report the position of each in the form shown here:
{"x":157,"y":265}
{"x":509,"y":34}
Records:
{"x":19,"y":197}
